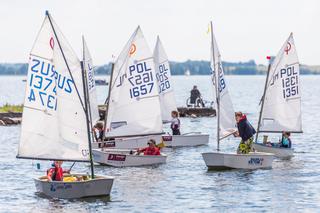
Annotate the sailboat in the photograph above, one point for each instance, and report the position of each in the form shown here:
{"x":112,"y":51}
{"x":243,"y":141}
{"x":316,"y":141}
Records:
{"x":168,"y":101}
{"x":281,"y":102}
{"x":226,"y":123}
{"x":55,"y":122}
{"x":133,"y":115}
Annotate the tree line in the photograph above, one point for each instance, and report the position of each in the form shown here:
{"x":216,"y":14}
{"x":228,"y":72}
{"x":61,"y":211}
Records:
{"x":177,"y":68}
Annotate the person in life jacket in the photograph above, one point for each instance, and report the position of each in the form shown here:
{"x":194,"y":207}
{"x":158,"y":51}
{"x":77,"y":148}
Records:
{"x":285,"y":141}
{"x":56,"y":172}
{"x":246,"y":132}
{"x":151,"y":149}
{"x":175,"y":123}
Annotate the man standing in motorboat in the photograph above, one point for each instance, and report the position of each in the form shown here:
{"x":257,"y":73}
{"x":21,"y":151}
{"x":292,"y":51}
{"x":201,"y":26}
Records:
{"x":246,"y":132}
{"x":195,"y":97}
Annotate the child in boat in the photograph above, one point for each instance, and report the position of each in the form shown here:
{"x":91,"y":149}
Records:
{"x":56,"y":173}
{"x":285,"y":141}
{"x":151,"y":149}
{"x":175,"y":123}
{"x":246,"y":132}
{"x":98,"y":132}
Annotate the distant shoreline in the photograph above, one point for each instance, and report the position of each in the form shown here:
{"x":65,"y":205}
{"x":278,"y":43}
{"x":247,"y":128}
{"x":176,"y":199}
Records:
{"x":177,"y":68}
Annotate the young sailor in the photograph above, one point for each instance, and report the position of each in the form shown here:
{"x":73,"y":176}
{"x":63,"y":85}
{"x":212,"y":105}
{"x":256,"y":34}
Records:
{"x":285,"y":141}
{"x":98,"y":132}
{"x":151,"y":149}
{"x":56,"y":173}
{"x":246,"y":132}
{"x":175,"y":123}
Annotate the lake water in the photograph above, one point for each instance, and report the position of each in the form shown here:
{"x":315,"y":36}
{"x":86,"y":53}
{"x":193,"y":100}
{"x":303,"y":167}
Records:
{"x":183,"y":184}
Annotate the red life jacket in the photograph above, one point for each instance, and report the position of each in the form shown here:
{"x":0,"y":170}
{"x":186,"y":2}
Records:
{"x":151,"y":151}
{"x":56,"y":174}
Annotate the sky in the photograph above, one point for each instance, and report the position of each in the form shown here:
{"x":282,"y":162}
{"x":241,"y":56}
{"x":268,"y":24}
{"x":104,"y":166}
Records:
{"x":244,"y":29}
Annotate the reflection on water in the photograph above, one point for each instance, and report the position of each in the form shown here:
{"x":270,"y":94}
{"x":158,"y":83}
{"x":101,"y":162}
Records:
{"x":183,"y":184}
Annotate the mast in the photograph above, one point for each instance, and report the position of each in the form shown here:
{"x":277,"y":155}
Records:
{"x":86,"y":100}
{"x":216,"y":73}
{"x":86,"y":80}
{"x":111,"y":76}
{"x":107,"y":102}
{"x":262,"y":101}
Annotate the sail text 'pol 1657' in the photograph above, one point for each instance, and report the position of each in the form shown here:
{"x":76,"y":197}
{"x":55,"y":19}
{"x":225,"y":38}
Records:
{"x":163,"y":74}
{"x":134,"y":106}
{"x":54,"y":122}
{"x":282,"y":101}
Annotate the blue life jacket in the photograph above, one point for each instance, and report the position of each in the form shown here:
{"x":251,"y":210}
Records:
{"x":286,"y":142}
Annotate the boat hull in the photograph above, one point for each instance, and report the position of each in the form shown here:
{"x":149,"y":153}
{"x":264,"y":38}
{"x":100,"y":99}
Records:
{"x":123,"y":158}
{"x":254,"y":160}
{"x":185,"y":140}
{"x":127,"y":143}
{"x":192,"y":139}
{"x":100,"y":186}
{"x":279,"y":152}
{"x":196,"y":112}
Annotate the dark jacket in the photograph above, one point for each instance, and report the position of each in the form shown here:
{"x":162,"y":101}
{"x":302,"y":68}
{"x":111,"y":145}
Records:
{"x":245,"y":129}
{"x":195,"y":93}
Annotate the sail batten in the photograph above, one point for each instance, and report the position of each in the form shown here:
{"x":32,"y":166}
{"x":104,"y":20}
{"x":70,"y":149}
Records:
{"x":165,"y":84}
{"x":134,"y":105}
{"x":282,"y":100}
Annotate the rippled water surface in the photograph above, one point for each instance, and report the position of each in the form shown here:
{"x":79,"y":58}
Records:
{"x":183,"y":184}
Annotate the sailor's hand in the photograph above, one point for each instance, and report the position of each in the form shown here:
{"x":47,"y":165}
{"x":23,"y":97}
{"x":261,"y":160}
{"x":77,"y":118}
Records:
{"x":236,"y":134}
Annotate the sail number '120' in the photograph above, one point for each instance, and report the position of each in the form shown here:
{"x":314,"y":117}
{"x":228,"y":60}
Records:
{"x":141,"y":80}
{"x":162,"y":77}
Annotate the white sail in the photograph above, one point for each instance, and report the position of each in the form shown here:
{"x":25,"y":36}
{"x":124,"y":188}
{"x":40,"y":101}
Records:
{"x":53,"y":123}
{"x":88,"y":67}
{"x":134,"y":106}
{"x":227,"y":119}
{"x":282,"y":103}
{"x":166,"y":92}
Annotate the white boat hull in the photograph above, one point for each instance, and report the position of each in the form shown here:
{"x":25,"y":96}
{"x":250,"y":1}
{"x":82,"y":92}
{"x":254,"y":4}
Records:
{"x":123,"y":158}
{"x":254,"y":160}
{"x":127,"y":143}
{"x":185,"y":140}
{"x":100,"y":186}
{"x":277,"y":151}
{"x":192,"y":139}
